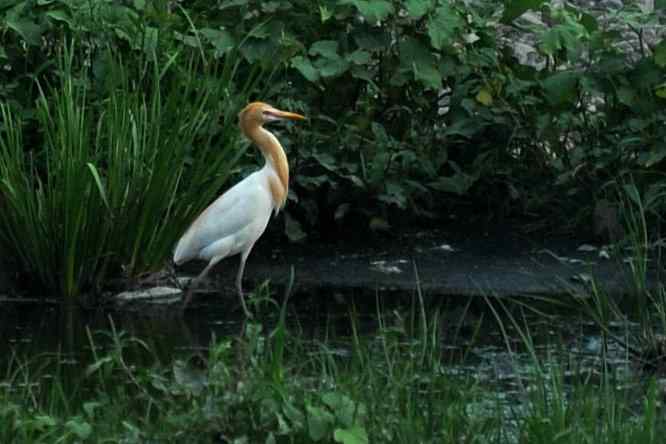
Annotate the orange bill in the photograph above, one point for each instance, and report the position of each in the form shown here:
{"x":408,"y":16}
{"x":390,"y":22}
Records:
{"x":285,"y":115}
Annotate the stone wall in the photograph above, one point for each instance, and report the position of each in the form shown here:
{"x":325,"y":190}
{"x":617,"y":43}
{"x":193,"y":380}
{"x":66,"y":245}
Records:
{"x":637,"y":41}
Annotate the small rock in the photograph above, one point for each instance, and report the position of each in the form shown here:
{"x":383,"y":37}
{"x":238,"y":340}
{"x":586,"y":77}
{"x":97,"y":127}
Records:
{"x":445,"y":247}
{"x":155,"y":295}
{"x":604,"y":254}
{"x":385,"y":267}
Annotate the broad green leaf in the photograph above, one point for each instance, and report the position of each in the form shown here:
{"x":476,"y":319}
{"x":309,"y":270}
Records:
{"x":325,"y":48}
{"x":82,"y":429}
{"x":150,"y":39}
{"x":373,"y":10}
{"x":293,"y":229}
{"x":326,"y":160}
{"x":465,"y":127}
{"x":320,"y":422}
{"x":44,"y":421}
{"x":626,"y":95}
{"x":330,"y":63}
{"x":394,"y":195}
{"x":346,"y":410}
{"x":589,"y":22}
{"x":260,"y":50}
{"x":359,"y":57}
{"x":443,"y":25}
{"x":362,"y":72}
{"x":331,"y":67}
{"x":418,"y":59}
{"x":660,"y":54}
{"x":352,"y":435}
{"x":29,"y":31}
{"x":652,"y":157}
{"x":568,"y":36}
{"x":60,"y":15}
{"x":660,"y":91}
{"x":484,"y":97}
{"x":458,"y":184}
{"x":372,"y":38}
{"x":222,"y":40}
{"x":515,"y":8}
{"x":418,"y":8}
{"x":304,"y":66}
{"x":647,"y":73}
{"x":550,"y":42}
{"x":561,"y":87}
{"x":270,"y":7}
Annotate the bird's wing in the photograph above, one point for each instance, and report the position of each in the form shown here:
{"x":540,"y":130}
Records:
{"x":235,"y":212}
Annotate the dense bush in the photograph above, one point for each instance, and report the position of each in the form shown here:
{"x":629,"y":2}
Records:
{"x":427,"y":105}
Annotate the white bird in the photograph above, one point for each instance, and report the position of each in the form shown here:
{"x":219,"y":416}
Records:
{"x":235,"y":220}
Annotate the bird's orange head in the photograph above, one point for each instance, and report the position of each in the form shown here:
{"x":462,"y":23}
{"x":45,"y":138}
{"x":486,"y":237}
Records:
{"x":258,"y":113}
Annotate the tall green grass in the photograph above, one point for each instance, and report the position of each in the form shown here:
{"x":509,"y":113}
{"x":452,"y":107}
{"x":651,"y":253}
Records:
{"x":109,"y":182}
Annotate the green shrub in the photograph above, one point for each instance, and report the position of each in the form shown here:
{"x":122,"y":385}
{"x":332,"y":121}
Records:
{"x":517,"y":138}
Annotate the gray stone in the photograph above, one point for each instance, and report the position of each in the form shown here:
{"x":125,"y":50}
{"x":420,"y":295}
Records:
{"x":150,"y":296}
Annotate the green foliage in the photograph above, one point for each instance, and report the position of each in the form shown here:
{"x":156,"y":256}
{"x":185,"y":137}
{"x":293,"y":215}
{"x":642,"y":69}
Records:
{"x":434,"y":103}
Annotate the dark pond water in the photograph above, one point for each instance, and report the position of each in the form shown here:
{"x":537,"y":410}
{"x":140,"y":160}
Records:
{"x":471,"y":339}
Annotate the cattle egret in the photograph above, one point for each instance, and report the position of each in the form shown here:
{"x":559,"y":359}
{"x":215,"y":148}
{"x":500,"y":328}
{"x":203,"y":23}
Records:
{"x":235,"y":220}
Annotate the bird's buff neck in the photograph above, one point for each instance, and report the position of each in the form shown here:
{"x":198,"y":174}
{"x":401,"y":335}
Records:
{"x":276,"y":159}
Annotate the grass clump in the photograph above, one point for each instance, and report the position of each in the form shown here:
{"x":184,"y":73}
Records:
{"x":102,"y":186}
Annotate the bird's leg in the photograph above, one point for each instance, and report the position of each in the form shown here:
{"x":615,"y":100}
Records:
{"x":239,"y":282}
{"x":195,"y":282}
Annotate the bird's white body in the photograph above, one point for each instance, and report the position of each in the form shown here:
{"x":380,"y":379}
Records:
{"x":234,"y":221}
